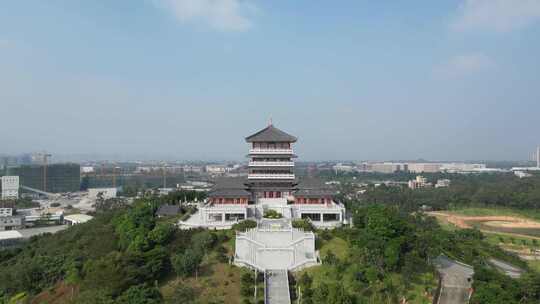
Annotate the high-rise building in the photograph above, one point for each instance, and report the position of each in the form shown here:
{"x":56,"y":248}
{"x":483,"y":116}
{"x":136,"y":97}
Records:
{"x":10,"y":187}
{"x":424,"y":167}
{"x":387,"y":167}
{"x":538,"y":157}
{"x":60,"y":177}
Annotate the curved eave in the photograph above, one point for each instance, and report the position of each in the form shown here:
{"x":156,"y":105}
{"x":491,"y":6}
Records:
{"x":271,"y":155}
{"x":272,"y":180}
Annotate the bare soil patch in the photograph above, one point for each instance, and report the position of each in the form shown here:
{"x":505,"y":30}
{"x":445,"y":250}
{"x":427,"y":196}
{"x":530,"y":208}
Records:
{"x":463,"y":221}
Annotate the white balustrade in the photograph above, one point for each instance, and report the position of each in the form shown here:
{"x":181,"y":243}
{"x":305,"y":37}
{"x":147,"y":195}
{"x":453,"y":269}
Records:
{"x":271,"y":164}
{"x":270,"y":151}
{"x":270,"y":176}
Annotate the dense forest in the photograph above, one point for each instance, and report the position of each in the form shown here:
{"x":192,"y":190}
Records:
{"x":128,"y":255}
{"x":388,"y":255}
{"x":118,"y":257}
{"x":486,"y":190}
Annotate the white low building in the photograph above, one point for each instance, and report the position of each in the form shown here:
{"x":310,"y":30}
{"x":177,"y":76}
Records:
{"x":75,"y":219}
{"x":522,"y":174}
{"x":5,"y":212}
{"x":10,"y":187}
{"x":424,"y":167}
{"x":105,"y":193}
{"x":419,"y":182}
{"x":443,"y":183}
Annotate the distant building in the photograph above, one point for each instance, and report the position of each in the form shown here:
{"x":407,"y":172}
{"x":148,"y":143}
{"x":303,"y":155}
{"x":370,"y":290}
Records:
{"x":11,"y":223}
{"x":105,"y":193}
{"x":419,"y":182}
{"x":9,"y":238}
{"x":192,"y":169}
{"x":165,"y":191}
{"x":216,"y":169}
{"x":87,"y":169}
{"x":60,"y":177}
{"x":199,"y":186}
{"x":168,"y":210}
{"x":5,"y":212}
{"x":343,"y":168}
{"x":442,"y":183}
{"x":522,"y":174}
{"x":75,"y":219}
{"x":424,"y":167}
{"x":387,"y":167}
{"x":10,"y":187}
{"x":49,"y":215}
{"x":461,"y":167}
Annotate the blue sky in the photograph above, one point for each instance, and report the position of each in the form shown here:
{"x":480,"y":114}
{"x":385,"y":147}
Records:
{"x":188,"y":79}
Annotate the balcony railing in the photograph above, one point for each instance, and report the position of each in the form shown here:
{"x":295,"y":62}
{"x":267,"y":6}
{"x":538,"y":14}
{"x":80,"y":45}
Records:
{"x":271,"y":164}
{"x":271,"y":151}
{"x":270,"y":176}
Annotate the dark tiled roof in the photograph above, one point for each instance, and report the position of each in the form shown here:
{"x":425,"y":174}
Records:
{"x":168,"y":210}
{"x":230,"y":187}
{"x":230,"y":182}
{"x":310,"y":187}
{"x":271,"y":134}
{"x":229,"y":193}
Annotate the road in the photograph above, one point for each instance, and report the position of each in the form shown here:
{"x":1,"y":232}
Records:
{"x":507,"y":269}
{"x":456,"y":283}
{"x":276,"y":287}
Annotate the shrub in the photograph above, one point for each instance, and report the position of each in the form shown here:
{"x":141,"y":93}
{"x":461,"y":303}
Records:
{"x":244,"y":225}
{"x":303,"y":224}
{"x":272,"y":214}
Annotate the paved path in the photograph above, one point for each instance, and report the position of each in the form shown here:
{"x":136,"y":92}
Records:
{"x":276,"y":287}
{"x":30,"y":232}
{"x":509,"y":270}
{"x":456,"y":281}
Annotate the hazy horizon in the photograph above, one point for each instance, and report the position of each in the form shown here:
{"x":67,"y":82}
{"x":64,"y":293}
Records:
{"x":188,"y":79}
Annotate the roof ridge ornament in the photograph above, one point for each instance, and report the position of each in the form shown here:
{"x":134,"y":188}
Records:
{"x":270,"y":121}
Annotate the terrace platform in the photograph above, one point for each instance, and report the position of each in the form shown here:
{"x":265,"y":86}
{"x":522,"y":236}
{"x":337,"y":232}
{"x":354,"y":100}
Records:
{"x":274,"y":244}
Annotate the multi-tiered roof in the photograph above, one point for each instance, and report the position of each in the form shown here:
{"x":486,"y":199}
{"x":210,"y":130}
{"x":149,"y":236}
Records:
{"x":271,"y":134}
{"x":271,"y":170}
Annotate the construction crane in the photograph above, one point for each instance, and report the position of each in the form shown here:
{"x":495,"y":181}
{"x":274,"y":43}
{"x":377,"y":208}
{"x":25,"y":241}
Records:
{"x":164,"y":170}
{"x":45,"y":156}
{"x":114,"y":176}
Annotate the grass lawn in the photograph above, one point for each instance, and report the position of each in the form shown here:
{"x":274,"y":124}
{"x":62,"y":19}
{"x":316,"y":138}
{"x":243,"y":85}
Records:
{"x":534,"y":265}
{"x":217,"y":282}
{"x":421,"y":289}
{"x":496,"y":211}
{"x":513,"y":242}
{"x":337,"y":246}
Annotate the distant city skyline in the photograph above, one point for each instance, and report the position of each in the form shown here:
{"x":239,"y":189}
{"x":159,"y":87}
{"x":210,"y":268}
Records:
{"x":187,"y":79}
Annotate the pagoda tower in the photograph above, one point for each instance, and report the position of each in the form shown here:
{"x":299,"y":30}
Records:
{"x":271,"y":165}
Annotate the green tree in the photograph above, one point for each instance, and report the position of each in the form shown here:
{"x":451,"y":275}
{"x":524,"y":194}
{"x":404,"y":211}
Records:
{"x":140,"y":294}
{"x":161,"y":233}
{"x":182,"y":294}
{"x":186,"y":263}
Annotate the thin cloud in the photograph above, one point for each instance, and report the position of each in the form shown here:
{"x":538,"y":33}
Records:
{"x":221,"y":15}
{"x":464,"y":65}
{"x":496,"y":15}
{"x":4,"y":43}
